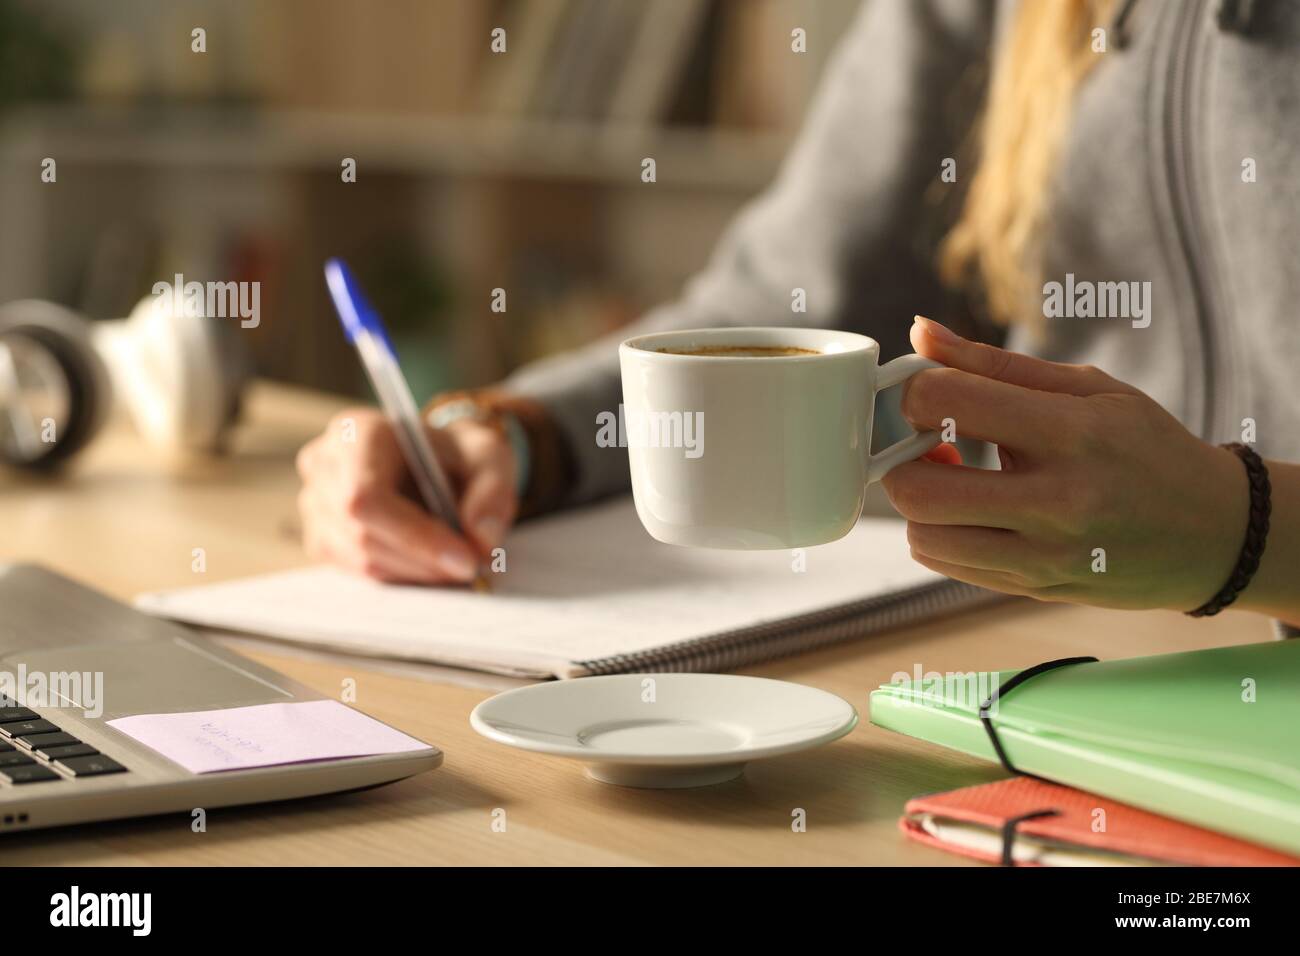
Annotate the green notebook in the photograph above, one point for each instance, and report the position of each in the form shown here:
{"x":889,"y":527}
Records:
{"x":1210,"y":737}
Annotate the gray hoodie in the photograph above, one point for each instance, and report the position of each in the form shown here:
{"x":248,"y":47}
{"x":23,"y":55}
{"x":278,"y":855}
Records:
{"x":1179,"y":173}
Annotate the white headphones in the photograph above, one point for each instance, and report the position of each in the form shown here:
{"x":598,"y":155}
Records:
{"x":178,"y":374}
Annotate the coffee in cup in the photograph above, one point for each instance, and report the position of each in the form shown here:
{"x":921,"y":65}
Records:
{"x":742,"y":351}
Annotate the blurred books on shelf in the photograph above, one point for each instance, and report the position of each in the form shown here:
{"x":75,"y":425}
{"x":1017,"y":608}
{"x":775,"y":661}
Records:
{"x":399,"y":56}
{"x":518,"y":169}
{"x":731,"y":63}
{"x":658,"y":54}
{"x":592,"y":59}
{"x":761,"y":82}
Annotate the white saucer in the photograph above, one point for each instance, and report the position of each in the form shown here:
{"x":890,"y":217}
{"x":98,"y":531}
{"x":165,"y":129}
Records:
{"x":665,"y":730}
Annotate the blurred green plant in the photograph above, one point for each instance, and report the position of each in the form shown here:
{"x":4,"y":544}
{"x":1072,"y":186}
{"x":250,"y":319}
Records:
{"x":409,"y":290}
{"x":37,"y":62}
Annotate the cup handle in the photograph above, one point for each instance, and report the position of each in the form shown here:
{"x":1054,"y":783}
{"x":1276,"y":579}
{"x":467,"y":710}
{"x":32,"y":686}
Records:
{"x":916,"y":445}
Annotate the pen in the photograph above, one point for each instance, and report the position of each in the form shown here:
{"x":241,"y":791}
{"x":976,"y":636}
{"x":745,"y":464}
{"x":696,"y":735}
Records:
{"x":365,"y":330}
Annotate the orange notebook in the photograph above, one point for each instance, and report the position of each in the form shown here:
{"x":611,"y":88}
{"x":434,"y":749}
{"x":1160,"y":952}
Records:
{"x":1061,"y":826}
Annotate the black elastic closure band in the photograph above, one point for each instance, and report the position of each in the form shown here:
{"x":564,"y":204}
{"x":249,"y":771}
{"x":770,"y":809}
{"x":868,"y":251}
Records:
{"x":1009,"y":686}
{"x":1009,"y":832}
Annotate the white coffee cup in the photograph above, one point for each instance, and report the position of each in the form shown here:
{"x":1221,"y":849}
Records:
{"x":752,"y":452}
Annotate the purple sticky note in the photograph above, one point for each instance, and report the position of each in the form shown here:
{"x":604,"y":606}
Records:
{"x":264,"y":735}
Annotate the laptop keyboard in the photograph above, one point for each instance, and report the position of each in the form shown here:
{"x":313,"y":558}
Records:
{"x":32,"y":750}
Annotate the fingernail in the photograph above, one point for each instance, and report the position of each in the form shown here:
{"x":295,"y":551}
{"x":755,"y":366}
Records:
{"x":939,"y":332}
{"x":490,"y":530}
{"x":459,"y":564}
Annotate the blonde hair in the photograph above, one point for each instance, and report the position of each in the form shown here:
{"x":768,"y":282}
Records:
{"x":1035,"y":76}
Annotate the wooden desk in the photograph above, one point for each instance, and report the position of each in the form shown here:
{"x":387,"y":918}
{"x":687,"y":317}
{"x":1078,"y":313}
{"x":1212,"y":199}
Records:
{"x":125,"y":522}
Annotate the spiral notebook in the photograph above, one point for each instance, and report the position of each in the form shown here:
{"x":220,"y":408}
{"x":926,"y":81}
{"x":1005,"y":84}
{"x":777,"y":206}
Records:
{"x":589,"y":592}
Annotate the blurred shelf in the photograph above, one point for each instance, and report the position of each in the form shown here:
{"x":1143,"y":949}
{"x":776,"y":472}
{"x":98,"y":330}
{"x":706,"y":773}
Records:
{"x":206,"y":137}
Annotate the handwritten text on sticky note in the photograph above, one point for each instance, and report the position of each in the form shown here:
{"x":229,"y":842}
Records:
{"x":264,"y":735}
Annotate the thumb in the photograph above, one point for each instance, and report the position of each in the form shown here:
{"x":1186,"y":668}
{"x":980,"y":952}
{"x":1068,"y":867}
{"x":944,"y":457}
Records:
{"x":483,"y":466}
{"x":940,"y":343}
{"x":488,"y":507}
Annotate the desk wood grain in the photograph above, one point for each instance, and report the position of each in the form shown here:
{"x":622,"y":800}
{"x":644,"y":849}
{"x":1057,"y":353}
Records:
{"x":124,"y":521}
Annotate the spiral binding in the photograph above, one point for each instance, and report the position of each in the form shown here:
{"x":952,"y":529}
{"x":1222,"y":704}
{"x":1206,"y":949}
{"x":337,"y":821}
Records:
{"x":768,"y":641}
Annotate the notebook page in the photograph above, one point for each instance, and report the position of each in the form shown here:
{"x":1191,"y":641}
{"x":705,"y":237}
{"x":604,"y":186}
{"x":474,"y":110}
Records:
{"x":578,"y":586}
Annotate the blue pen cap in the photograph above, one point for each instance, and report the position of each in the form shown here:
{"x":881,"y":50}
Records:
{"x":355,"y":311}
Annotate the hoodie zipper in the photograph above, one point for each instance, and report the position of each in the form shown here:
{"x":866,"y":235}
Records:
{"x":1179,"y":166}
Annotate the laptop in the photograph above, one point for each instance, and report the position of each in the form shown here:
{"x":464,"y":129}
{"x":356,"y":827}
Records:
{"x":60,"y":766}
